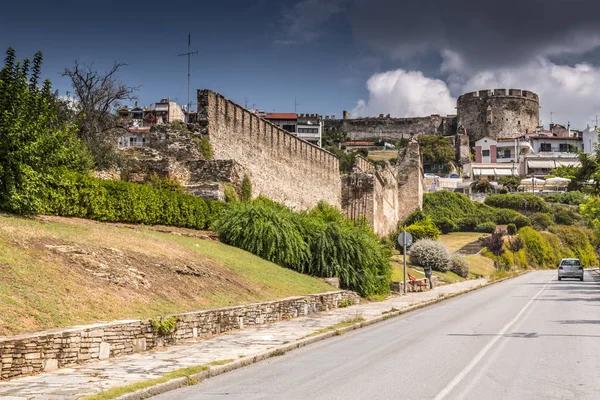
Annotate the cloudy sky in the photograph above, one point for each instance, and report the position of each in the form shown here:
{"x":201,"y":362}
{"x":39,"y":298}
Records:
{"x":405,"y":58}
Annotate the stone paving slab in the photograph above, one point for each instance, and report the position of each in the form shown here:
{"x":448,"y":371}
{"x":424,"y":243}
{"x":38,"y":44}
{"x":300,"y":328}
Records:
{"x":92,"y":378}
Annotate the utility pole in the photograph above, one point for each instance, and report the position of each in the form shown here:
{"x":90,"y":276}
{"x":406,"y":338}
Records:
{"x":551,"y":113}
{"x":295,"y":105}
{"x":188,"y":54}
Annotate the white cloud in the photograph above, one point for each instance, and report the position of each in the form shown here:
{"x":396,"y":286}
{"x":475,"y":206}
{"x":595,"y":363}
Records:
{"x":405,"y":94}
{"x":571,"y":93}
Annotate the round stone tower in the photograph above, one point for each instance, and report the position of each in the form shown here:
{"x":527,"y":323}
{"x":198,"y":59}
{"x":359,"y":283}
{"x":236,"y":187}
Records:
{"x":498,"y":114}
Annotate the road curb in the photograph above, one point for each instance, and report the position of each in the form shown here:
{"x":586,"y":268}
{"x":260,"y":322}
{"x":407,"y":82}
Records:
{"x":280,"y":350}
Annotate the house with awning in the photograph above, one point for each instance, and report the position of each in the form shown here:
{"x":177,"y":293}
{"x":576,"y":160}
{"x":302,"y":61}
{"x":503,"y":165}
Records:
{"x":491,"y":171}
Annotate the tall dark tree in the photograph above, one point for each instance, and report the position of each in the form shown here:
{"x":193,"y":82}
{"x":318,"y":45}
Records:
{"x":95,"y":98}
{"x":36,"y":146}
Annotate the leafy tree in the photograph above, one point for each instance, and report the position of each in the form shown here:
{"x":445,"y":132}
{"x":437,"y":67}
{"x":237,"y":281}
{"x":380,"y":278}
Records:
{"x":246,"y":189}
{"x":36,"y":146}
{"x":510,"y":182}
{"x":515,"y":244}
{"x":482,"y":186}
{"x":95,"y":98}
{"x":495,"y":244}
{"x":436,"y":149}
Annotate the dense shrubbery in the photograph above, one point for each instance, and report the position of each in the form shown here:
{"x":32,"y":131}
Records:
{"x":429,"y":253}
{"x":453,"y":210}
{"x":576,"y":242}
{"x":574,"y":198}
{"x":486,"y":227}
{"x":423,"y":229}
{"x":77,"y":195}
{"x":518,"y":202}
{"x":511,"y":229}
{"x":541,"y":221}
{"x":459,"y":265}
{"x":320,"y":243}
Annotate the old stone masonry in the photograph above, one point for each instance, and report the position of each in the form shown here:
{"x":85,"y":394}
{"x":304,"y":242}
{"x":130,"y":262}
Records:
{"x":230,"y":142}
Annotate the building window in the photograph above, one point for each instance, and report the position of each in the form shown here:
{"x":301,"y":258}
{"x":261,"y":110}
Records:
{"x":545,"y":147}
{"x":564,"y":148}
{"x":506,"y":153}
{"x":289,"y":128}
{"x":485,"y":153}
{"x":308,"y":130}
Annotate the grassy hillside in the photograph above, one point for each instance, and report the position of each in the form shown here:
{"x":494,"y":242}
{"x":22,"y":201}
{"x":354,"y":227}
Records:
{"x":57,"y":272}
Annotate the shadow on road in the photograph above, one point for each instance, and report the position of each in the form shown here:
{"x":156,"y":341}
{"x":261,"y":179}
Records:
{"x":580,"y":321}
{"x":522,"y":335}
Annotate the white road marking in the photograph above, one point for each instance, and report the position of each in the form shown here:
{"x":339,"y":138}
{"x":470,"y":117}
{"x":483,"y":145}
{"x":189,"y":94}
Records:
{"x":462,"y":374}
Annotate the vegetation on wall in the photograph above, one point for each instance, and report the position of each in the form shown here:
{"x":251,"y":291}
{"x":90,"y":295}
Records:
{"x":246,"y":189}
{"x":436,"y":149}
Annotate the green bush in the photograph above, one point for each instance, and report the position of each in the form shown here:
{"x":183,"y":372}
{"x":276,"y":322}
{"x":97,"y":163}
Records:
{"x":320,"y":243}
{"x":464,"y":214}
{"x":423,"y":229}
{"x":231,"y":195}
{"x":445,"y":225}
{"x":511,"y":229}
{"x":579,"y":242}
{"x":76,"y":195}
{"x":429,"y":253}
{"x":541,"y":221}
{"x":522,"y":221}
{"x":564,"y":215}
{"x":246,"y":189}
{"x":518,"y":202}
{"x":486,"y":227}
{"x":164,"y":326}
{"x":537,"y":249}
{"x":574,"y":198}
{"x":459,"y":265}
{"x":266,"y":231}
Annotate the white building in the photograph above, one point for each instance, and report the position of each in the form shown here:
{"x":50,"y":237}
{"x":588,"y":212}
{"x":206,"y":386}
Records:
{"x":590,"y":139}
{"x":308,"y":127}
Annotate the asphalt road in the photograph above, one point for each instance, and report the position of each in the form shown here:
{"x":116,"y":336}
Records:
{"x":532,"y":337}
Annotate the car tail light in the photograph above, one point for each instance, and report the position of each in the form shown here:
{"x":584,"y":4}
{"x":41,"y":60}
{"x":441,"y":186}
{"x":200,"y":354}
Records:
{"x":560,"y":267}
{"x":581,"y":268}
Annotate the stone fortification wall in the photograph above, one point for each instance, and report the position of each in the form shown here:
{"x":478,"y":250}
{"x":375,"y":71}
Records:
{"x":410,"y":180}
{"x":384,"y":196}
{"x":391,"y":129}
{"x":499,"y":114}
{"x":46,"y":351}
{"x":280,"y":166}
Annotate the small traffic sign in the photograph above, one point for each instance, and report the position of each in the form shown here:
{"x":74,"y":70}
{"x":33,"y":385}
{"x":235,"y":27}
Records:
{"x":409,"y":238}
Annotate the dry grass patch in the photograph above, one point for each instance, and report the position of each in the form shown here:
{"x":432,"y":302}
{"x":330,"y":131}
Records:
{"x":57,"y":272}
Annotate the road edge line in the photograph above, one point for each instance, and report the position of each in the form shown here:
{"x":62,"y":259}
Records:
{"x":178,"y":383}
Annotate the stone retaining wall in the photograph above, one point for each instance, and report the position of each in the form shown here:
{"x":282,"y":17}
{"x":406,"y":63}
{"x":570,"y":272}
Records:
{"x":49,"y":350}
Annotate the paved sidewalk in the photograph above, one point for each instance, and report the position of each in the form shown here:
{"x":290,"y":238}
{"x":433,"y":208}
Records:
{"x":92,"y":378}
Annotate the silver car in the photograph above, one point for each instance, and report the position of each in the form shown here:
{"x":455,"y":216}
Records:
{"x":570,"y":268}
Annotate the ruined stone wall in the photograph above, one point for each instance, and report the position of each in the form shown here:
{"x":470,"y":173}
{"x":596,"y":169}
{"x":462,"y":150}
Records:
{"x":384,"y":196}
{"x":47,"y":351}
{"x":280,"y":166}
{"x":391,"y":129}
{"x":410,"y":181}
{"x":498,"y":114}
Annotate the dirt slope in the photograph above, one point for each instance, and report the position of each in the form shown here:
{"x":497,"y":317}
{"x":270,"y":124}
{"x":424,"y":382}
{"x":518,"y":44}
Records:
{"x":57,"y":272}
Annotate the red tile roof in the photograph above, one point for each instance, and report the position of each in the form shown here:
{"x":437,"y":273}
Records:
{"x":280,"y":116}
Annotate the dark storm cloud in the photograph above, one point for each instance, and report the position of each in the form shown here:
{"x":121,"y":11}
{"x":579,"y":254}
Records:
{"x":483,"y":32}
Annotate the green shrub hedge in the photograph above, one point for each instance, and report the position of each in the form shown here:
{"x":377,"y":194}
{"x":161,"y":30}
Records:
{"x":78,"y":195}
{"x":423,"y":229}
{"x":518,"y":202}
{"x":448,"y":209}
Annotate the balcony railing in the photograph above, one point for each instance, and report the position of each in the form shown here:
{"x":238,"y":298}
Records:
{"x":557,"y":149}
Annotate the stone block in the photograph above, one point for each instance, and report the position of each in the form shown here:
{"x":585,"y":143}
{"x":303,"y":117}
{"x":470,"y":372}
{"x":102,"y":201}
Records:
{"x":104,"y":351}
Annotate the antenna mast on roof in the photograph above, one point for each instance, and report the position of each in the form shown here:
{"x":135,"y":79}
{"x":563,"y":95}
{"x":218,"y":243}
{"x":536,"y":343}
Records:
{"x":188,"y":54}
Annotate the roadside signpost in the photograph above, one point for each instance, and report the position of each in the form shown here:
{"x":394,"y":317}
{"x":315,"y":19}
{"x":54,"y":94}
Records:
{"x":405,"y":239}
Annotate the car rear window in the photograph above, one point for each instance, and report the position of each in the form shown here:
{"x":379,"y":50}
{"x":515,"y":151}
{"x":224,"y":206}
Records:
{"x":571,"y":262}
